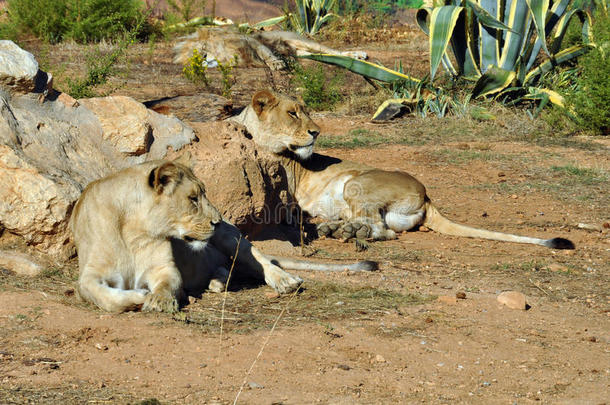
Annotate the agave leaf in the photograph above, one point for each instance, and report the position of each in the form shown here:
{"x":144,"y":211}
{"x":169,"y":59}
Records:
{"x":562,"y":27}
{"x":364,"y":68}
{"x":270,"y":21}
{"x":486,"y":18}
{"x":494,"y":80}
{"x":539,"y":9}
{"x":559,"y":58}
{"x":489,"y":44}
{"x":514,"y":40}
{"x":442,"y":24}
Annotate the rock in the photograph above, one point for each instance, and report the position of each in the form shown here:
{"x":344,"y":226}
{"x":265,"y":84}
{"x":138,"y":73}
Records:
{"x":138,"y":127}
{"x":379,"y":358}
{"x":19,"y":263}
{"x":253,"y":385}
{"x":461,"y":295}
{"x":271,"y":294}
{"x":513,"y":300}
{"x":247,"y":185}
{"x":555,"y":267}
{"x":590,"y":227}
{"x":132,"y":133}
{"x":446,"y":299}
{"x":52,"y":146}
{"x":423,"y":228}
{"x":18,"y":68}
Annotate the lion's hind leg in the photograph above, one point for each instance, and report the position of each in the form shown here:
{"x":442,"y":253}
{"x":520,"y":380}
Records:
{"x":404,"y":222}
{"x":219,"y":280}
{"x":108,"y":294}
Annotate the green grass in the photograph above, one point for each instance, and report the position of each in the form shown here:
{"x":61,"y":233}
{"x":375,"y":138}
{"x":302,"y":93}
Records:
{"x":357,"y":138}
{"x":459,"y":157}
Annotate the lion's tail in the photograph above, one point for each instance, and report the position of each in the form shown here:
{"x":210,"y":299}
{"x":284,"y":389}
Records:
{"x":293,"y":264}
{"x":437,"y":222}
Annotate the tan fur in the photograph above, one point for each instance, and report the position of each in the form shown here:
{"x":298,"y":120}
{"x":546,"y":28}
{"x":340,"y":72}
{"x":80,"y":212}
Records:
{"x":362,"y":202}
{"x":147,"y":237}
{"x":258,"y":49}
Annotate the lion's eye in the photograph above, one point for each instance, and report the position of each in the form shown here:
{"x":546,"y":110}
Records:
{"x":194,"y":199}
{"x":293,"y":114}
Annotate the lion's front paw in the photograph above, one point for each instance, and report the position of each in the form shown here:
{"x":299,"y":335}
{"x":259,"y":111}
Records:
{"x":283,"y":282}
{"x":160,"y":302}
{"x":328,"y":228}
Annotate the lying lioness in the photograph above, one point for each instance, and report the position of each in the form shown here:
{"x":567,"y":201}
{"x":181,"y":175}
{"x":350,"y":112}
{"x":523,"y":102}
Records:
{"x":147,"y":237}
{"x":360,"y":201}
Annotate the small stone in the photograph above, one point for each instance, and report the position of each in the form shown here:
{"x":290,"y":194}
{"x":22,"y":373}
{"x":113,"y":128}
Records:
{"x":429,"y":320}
{"x":513,"y":300}
{"x":606,"y":225}
{"x":379,"y":358}
{"x":101,"y":347}
{"x":424,"y":229}
{"x":253,"y":385}
{"x":514,"y":196}
{"x":460,"y":295}
{"x":271,"y":294}
{"x":501,"y":174}
{"x":555,"y":267}
{"x":447,"y":299}
{"x":69,"y":292}
{"x":592,"y":339}
{"x":343,"y":367}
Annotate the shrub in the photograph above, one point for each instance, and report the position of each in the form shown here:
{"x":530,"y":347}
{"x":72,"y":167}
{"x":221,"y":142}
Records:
{"x":590,"y":101}
{"x":227,"y":76}
{"x":196,"y":69}
{"x":318,"y":92}
{"x":79,"y":20}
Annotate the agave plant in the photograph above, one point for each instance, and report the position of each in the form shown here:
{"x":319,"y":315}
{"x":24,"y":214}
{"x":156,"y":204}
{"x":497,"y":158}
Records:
{"x":311,"y":15}
{"x":498,"y":42}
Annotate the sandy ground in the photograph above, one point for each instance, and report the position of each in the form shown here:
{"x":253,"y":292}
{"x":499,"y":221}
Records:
{"x":398,"y":335}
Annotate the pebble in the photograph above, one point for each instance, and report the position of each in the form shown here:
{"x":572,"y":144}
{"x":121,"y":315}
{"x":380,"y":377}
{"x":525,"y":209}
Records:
{"x":344,"y":367}
{"x":446,"y":299}
{"x":254,"y":385}
{"x":379,"y":358}
{"x":460,"y":295}
{"x":514,"y":196}
{"x":100,"y":346}
{"x":555,"y":267}
{"x":424,"y":229}
{"x":513,"y":300}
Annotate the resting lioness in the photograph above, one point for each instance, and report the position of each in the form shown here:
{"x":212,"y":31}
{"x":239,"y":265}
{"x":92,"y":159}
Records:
{"x":361,"y":201}
{"x":147,"y":237}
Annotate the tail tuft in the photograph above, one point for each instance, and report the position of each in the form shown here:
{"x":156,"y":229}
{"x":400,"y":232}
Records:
{"x":559,"y":243}
{"x":367,"y":265}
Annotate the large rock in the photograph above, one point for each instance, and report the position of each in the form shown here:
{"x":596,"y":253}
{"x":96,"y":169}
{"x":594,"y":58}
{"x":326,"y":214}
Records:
{"x":247,"y":185}
{"x":133,"y":134}
{"x":52,"y":146}
{"x":18,"y":68}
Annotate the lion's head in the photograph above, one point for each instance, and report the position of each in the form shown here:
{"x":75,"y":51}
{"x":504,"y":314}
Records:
{"x":180,"y":205}
{"x":281,"y":124}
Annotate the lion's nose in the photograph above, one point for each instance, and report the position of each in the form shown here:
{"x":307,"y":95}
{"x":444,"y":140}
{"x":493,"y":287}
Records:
{"x":314,"y":134}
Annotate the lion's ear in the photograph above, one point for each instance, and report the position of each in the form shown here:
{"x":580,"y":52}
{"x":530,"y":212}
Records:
{"x":262,"y":100}
{"x":164,"y":178}
{"x":185,"y":160}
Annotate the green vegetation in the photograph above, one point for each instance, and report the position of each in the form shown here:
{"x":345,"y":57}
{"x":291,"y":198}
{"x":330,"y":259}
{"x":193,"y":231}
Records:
{"x":310,"y":15}
{"x":196,"y":69}
{"x":590,"y":101}
{"x":227,"y":77}
{"x":318,"y":92}
{"x":187,"y":9}
{"x":78,"y":20}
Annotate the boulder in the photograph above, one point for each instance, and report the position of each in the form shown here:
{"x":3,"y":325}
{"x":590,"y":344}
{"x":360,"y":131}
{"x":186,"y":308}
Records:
{"x":199,"y":107}
{"x":138,"y":127}
{"x":246,"y":184}
{"x":18,"y":68}
{"x":52,"y":146}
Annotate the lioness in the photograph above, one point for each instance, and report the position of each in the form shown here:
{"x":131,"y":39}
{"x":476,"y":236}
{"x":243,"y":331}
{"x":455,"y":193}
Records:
{"x":147,"y":237}
{"x":257,"y":49}
{"x":360,"y":201}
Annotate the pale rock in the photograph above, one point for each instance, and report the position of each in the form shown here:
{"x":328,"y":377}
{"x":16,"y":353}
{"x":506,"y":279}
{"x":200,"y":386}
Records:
{"x":19,"y":263}
{"x":18,"y":68}
{"x":379,"y":358}
{"x":447,"y":299}
{"x":124,"y":122}
{"x":513,"y":300}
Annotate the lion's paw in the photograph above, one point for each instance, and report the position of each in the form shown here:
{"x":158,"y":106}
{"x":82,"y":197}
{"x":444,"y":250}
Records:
{"x":284,"y":282}
{"x":160,"y":302}
{"x":349,"y":230}
{"x":328,"y":228}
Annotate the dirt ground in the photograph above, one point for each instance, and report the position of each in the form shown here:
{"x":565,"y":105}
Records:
{"x":398,"y":335}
